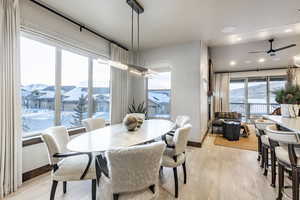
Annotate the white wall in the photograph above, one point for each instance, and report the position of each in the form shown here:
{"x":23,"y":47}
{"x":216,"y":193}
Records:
{"x":187,"y":73}
{"x":203,"y":88}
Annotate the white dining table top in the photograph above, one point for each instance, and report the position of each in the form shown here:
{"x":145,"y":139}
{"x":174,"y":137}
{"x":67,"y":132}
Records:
{"x":292,"y":124}
{"x":117,"y":136}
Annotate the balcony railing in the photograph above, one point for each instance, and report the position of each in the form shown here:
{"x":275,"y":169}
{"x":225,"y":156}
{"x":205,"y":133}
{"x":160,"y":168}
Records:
{"x":249,"y":110}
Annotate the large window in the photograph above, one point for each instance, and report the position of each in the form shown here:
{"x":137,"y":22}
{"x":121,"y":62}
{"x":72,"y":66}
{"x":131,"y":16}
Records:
{"x":101,"y":90}
{"x":257,"y":96}
{"x":74,"y":89}
{"x":49,"y":70}
{"x":254,"y":96}
{"x":159,"y":92}
{"x":37,"y":90}
{"x":237,"y":96}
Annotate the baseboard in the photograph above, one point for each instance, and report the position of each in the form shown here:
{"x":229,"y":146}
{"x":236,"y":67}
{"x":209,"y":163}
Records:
{"x":194,"y":144}
{"x":198,"y":144}
{"x":36,"y":172}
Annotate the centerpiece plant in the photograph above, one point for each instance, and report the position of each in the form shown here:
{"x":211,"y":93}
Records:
{"x":289,"y":97}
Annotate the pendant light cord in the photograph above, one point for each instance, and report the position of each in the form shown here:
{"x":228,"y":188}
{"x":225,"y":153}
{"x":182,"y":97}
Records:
{"x":131,"y":29}
{"x":138,"y":33}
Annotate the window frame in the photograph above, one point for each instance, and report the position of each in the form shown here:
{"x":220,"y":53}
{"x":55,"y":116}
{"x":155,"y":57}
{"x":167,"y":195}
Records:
{"x":58,"y":77}
{"x":162,"y":70}
{"x":246,"y":84}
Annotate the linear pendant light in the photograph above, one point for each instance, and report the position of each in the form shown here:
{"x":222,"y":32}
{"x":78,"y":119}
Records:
{"x":137,"y":69}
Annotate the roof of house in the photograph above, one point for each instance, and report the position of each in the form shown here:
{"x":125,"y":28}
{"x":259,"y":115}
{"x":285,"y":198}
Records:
{"x":158,"y":98}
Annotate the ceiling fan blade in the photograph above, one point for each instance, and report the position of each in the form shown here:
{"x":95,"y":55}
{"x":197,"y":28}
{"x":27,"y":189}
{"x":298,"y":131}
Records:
{"x":286,"y":47}
{"x":257,"y":52}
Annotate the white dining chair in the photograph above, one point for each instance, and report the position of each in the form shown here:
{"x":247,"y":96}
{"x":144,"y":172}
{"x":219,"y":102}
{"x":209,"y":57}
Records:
{"x":91,"y":124}
{"x":174,"y":157}
{"x":263,"y":143}
{"x":132,"y":173}
{"x":67,"y":166}
{"x":288,"y":158}
{"x":180,"y":121}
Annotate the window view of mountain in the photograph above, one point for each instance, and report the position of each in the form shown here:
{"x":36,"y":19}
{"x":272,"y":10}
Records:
{"x":257,"y":96}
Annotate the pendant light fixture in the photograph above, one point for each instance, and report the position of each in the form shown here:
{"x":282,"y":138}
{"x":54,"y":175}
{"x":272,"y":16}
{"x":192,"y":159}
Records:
{"x":136,"y":67}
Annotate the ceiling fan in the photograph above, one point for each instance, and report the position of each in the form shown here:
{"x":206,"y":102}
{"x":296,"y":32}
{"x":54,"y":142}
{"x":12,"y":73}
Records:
{"x":271,"y":51}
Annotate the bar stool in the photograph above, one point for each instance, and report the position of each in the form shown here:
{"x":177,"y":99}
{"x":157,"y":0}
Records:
{"x":287,"y":158}
{"x":263,"y":143}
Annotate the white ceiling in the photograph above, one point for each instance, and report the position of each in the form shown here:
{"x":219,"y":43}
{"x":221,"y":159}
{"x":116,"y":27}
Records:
{"x":223,"y":55}
{"x":167,"y":22}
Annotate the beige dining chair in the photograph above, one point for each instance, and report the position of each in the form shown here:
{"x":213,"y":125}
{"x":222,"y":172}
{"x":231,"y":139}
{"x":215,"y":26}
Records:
{"x":180,"y":121}
{"x":174,"y":157}
{"x":91,"y":124}
{"x":288,"y":158}
{"x":67,"y":166}
{"x":263,"y":143}
{"x":132,"y":173}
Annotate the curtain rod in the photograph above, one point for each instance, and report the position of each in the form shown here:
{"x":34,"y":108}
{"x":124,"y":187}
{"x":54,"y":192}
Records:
{"x":251,"y":70}
{"x":78,"y":24}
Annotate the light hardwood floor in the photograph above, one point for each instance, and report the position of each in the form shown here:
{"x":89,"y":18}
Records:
{"x":214,"y":173}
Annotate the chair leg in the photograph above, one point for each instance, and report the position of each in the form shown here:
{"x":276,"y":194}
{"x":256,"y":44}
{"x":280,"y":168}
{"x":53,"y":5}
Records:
{"x":176,"y":181}
{"x":280,"y":181}
{"x":184,"y":172}
{"x":94,"y":189}
{"x":65,"y":187}
{"x":259,"y":148}
{"x":295,"y":183}
{"x":53,"y":190}
{"x":266,"y":161}
{"x":262,"y":156}
{"x":273,"y":167}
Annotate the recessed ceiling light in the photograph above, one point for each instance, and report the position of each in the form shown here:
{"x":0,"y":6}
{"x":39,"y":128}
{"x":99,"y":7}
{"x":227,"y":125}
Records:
{"x":232,"y":63}
{"x":228,"y":29}
{"x":288,"y":30}
{"x":238,"y":38}
{"x":261,"y":60}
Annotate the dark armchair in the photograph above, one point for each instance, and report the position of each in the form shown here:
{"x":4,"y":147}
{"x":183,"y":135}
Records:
{"x":221,"y":117}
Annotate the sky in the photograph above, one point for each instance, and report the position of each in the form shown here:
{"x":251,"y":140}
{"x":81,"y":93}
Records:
{"x":160,"y":81}
{"x":38,"y":67}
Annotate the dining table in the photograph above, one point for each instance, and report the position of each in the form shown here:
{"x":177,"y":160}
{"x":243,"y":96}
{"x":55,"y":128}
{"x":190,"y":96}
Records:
{"x":117,"y":136}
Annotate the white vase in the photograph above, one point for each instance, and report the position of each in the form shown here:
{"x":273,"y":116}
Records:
{"x":289,"y":110}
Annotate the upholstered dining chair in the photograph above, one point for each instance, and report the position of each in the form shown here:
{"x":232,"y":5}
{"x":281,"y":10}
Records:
{"x":67,"y":166}
{"x":180,"y":121}
{"x":263,"y":143}
{"x":287,"y":158}
{"x":91,"y":124}
{"x":174,"y":157}
{"x":132,"y":173}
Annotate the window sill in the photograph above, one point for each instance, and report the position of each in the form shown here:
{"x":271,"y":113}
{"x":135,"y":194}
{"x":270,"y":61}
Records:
{"x":28,"y":141}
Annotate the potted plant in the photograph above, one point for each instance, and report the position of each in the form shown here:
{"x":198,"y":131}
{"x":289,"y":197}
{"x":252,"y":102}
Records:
{"x":289,"y":100}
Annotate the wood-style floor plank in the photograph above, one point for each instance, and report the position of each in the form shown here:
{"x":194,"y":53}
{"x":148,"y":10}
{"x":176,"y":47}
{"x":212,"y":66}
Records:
{"x":214,"y":173}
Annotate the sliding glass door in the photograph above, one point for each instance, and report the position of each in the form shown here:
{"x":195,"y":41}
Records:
{"x":253,"y":97}
{"x":238,"y":96}
{"x":257,"y":96}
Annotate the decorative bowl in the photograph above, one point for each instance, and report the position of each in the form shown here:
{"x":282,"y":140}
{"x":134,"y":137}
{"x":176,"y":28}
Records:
{"x":131,"y":123}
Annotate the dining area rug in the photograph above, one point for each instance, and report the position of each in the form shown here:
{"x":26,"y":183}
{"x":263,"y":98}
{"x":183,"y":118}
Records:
{"x":245,"y":143}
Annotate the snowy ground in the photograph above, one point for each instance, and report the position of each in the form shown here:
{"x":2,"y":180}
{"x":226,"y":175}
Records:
{"x":37,"y":120}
